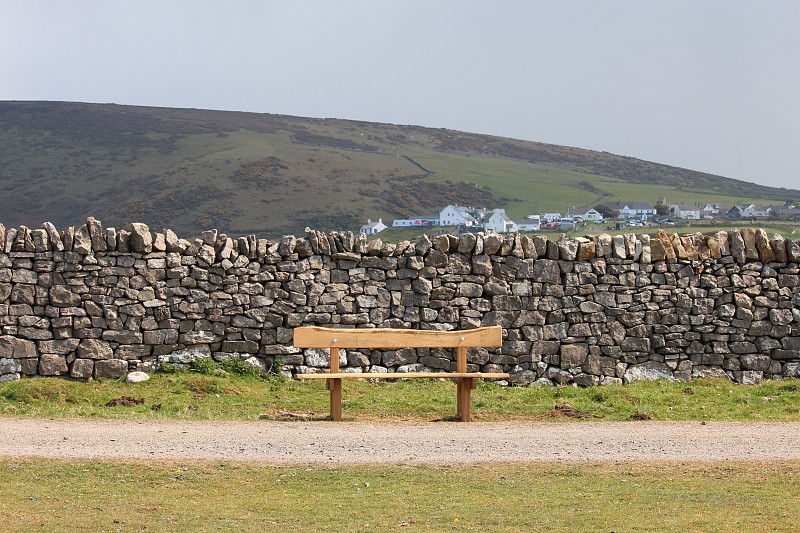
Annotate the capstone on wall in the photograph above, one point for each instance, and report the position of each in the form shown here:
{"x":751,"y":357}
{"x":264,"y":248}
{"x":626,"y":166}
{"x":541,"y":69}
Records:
{"x":92,"y":302}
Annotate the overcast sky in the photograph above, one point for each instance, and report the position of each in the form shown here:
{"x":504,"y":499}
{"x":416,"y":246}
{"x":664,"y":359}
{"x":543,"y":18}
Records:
{"x":708,"y":85}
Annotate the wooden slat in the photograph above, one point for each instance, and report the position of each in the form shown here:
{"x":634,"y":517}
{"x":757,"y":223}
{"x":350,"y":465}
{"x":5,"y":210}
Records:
{"x":403,"y":375}
{"x":317,"y":337}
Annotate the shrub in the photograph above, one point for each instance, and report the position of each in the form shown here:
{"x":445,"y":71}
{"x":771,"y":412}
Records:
{"x":274,"y":371}
{"x":207,"y":385}
{"x":207,"y":366}
{"x":237,"y":367}
{"x":241,"y":367}
{"x":168,"y":368}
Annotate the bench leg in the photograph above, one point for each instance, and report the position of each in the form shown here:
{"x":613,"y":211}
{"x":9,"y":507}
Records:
{"x":335,"y":386}
{"x":465,"y":386}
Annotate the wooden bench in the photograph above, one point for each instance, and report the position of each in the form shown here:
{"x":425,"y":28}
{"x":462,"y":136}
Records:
{"x":379,"y":338}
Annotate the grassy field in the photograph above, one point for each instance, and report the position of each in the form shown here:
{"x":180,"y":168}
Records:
{"x":48,"y":495}
{"x":527,"y":188}
{"x":191,"y":396}
{"x":80,"y":495}
{"x":535,"y":188}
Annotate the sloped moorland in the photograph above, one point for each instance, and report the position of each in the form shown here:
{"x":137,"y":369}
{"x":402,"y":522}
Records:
{"x":269,"y":175}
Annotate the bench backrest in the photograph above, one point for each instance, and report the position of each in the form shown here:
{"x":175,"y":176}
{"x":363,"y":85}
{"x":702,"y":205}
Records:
{"x":335,"y":338}
{"x":317,"y":337}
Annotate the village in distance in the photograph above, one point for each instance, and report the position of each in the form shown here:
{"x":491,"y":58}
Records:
{"x":612,"y":215}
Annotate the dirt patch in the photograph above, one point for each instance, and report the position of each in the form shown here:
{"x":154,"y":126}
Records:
{"x":125,"y":401}
{"x":286,"y":415}
{"x":570,"y":412}
{"x":640,"y":416}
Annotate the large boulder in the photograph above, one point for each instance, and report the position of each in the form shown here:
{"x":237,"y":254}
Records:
{"x":14,"y":348}
{"x":62,"y":296}
{"x":96,"y":234}
{"x":82,"y":241}
{"x":141,"y":238}
{"x":94,"y":349}
{"x":110,"y":368}
{"x":649,"y":371}
{"x":52,"y":365}
{"x":573,"y":355}
{"x":186,"y":356}
{"x":136,"y":377}
{"x":82,"y":369}
{"x":9,"y":366}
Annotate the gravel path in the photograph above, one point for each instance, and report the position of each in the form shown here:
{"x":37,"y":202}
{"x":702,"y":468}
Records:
{"x":400,"y":443}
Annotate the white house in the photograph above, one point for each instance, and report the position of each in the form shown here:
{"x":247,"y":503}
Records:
{"x":415,"y":222}
{"x":628,"y":210}
{"x":371,"y":228}
{"x":592,"y":215}
{"x":454,"y":215}
{"x":642,"y":210}
{"x":754,"y":211}
{"x":712,"y":209}
{"x":749,"y":211}
{"x":529,"y":223}
{"x":500,"y":222}
{"x":684,"y":211}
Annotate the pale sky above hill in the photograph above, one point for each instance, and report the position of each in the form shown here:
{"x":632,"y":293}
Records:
{"x":711,"y":85}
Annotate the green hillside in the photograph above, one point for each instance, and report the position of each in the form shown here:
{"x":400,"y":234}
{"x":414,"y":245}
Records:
{"x":266,"y":174}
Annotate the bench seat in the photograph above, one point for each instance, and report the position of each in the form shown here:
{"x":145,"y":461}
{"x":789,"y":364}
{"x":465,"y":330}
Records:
{"x":404,"y":375}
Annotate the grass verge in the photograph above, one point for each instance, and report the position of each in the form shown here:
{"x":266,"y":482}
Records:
{"x":54,"y":495}
{"x":192,"y":396}
{"x":49,"y":495}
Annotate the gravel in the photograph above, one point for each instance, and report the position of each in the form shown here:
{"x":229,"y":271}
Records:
{"x":327,"y":443}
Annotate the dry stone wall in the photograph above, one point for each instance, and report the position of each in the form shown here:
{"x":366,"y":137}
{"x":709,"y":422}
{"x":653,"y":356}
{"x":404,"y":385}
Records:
{"x":92,"y":302}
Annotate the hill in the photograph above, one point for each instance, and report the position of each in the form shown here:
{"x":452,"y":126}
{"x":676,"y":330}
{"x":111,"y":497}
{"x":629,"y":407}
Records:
{"x":191,"y":169}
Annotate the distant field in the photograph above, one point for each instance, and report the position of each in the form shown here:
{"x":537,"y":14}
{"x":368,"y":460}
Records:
{"x":531,"y":188}
{"x":526,"y":188}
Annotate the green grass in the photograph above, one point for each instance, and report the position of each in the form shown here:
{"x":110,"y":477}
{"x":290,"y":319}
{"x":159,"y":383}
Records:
{"x":650,"y":193}
{"x":51,"y":495}
{"x":535,"y":188}
{"x":532,"y":188}
{"x":189,"y":396}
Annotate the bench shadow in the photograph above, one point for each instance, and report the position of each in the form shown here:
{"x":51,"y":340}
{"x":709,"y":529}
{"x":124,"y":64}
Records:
{"x":453,"y":418}
{"x":286,"y":416}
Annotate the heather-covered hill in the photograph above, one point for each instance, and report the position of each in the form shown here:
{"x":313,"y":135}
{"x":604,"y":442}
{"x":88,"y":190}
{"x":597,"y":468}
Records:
{"x":266,"y":174}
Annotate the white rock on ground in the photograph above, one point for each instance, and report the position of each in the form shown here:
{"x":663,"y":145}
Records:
{"x":136,"y":377}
